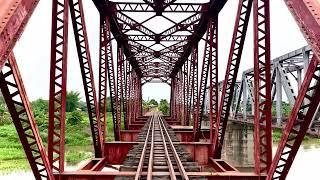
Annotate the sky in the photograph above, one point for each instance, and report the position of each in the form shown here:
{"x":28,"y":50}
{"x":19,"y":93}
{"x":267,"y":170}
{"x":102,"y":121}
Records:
{"x":32,"y":51}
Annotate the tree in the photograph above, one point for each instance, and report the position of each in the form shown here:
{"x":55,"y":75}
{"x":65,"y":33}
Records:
{"x":72,"y":101}
{"x":40,"y":108}
{"x":286,"y":109}
{"x":40,"y":104}
{"x":83,"y":106}
{"x":75,"y":118}
{"x":164,"y":106}
{"x":153,"y":102}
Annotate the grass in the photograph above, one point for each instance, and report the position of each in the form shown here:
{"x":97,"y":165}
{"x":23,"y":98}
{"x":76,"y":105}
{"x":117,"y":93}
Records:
{"x":78,"y":144}
{"x":307,"y":140}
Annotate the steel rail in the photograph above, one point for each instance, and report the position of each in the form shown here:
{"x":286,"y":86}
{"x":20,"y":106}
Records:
{"x":183,"y":172}
{"x":150,"y":165}
{"x":170,"y":166}
{"x":143,"y":154}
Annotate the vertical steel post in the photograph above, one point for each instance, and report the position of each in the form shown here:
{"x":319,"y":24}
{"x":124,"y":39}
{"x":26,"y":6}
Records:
{"x":238,"y":39}
{"x":105,"y":24}
{"x":120,"y":81}
{"x":279,"y":97}
{"x":129,"y":96}
{"x":299,"y":78}
{"x":203,"y":80}
{"x":81,"y":38}
{"x":103,"y":85}
{"x":194,"y":83}
{"x":190,"y":89}
{"x":126,"y":94}
{"x":262,"y":87}
{"x":213,"y":79}
{"x":185,"y":92}
{"x":58,"y":84}
{"x":245,"y":98}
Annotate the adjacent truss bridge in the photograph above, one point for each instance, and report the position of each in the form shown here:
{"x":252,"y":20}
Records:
{"x":187,"y":149}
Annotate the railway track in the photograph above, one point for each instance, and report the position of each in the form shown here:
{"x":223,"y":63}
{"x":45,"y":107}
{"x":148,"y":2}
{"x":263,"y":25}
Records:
{"x":158,"y":156}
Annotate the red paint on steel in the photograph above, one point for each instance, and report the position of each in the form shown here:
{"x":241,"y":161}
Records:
{"x":299,"y":121}
{"x":105,"y":25}
{"x":185,"y":93}
{"x":19,"y":107}
{"x":262,"y":87}
{"x":207,"y":61}
{"x":119,"y":84}
{"x":80,"y":33}
{"x":238,"y":39}
{"x":125,"y":90}
{"x":14,"y":15}
{"x":193,"y":75}
{"x":58,"y":84}
{"x":213,"y":77}
{"x":103,"y":79}
{"x":306,"y":14}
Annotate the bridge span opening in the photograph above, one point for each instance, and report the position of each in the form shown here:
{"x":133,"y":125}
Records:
{"x":176,"y":43}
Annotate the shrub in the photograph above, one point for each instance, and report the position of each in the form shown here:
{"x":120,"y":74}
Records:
{"x":75,"y":117}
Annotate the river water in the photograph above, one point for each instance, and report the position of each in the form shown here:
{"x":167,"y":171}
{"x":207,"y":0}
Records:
{"x":238,"y":150}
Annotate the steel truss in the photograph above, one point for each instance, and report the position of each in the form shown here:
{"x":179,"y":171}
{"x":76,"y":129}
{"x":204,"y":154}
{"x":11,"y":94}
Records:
{"x":298,"y":123}
{"x":239,"y":35}
{"x":262,"y":90}
{"x":58,"y":84}
{"x":176,"y":65}
{"x":80,"y":33}
{"x":15,"y":96}
{"x":209,"y":65}
{"x":305,"y":14}
{"x":105,"y":42}
{"x":288,"y":67}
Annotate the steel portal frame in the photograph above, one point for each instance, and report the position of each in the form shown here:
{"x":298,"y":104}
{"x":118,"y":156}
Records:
{"x":135,"y":62}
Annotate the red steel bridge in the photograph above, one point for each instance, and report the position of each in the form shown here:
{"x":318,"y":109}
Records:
{"x":135,"y":61}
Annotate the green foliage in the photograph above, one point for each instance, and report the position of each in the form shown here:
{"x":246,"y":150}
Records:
{"x":78,"y":133}
{"x":83,"y":106}
{"x":5,"y":118}
{"x":286,"y":109}
{"x":72,"y":101}
{"x":153,"y":102}
{"x":75,"y":117}
{"x":164,"y":106}
{"x":145,"y":104}
{"x":4,"y":114}
{"x":108,"y":104}
{"x":40,"y":107}
{"x":40,"y":110}
{"x":3,"y":107}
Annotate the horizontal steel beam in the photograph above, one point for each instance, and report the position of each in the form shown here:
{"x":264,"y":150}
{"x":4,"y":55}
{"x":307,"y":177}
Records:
{"x":214,"y":7}
{"x":108,"y":8}
{"x":145,"y":7}
{"x":287,"y":56}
